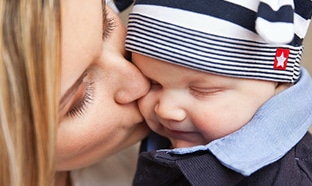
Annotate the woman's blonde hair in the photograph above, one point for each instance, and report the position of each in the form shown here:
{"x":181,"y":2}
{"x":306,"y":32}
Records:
{"x":29,"y":81}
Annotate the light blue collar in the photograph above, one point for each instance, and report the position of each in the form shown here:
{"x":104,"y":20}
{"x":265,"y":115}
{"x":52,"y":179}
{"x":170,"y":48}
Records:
{"x":276,"y":127}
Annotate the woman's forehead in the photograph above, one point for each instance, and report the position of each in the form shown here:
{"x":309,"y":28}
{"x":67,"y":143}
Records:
{"x":81,"y":38}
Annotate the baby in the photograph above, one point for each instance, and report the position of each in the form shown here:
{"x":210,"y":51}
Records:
{"x":227,"y":90}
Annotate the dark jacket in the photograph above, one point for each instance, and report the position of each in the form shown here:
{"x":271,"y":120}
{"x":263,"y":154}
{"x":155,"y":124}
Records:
{"x":202,"y":168}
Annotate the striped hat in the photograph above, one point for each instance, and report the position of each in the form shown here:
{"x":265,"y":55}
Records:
{"x":257,"y":39}
{"x":118,"y":5}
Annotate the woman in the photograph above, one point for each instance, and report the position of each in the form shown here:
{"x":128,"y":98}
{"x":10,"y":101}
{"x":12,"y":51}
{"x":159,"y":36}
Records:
{"x":68,"y":95}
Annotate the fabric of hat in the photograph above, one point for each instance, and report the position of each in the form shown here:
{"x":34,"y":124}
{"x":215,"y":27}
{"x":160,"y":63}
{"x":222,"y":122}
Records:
{"x":118,"y":5}
{"x":275,"y":20}
{"x":239,"y":38}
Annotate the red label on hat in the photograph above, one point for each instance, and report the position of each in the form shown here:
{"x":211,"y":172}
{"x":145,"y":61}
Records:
{"x":281,"y":59}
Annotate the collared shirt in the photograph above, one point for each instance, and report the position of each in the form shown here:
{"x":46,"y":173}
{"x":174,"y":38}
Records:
{"x":275,"y":128}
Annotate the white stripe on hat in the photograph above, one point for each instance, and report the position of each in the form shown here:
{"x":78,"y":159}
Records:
{"x":279,"y":32}
{"x":301,"y":26}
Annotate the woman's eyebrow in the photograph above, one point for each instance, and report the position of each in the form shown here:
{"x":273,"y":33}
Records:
{"x":70,"y":93}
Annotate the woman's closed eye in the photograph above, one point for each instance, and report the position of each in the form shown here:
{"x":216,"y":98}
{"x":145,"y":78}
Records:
{"x":81,"y":100}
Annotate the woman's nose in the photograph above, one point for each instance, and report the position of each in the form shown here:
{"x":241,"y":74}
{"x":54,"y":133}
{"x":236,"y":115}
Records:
{"x":168,"y":108}
{"x":132,"y":84}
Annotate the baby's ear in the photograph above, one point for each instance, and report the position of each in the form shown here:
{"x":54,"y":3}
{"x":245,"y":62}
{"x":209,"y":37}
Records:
{"x":119,"y":5}
{"x":275,"y":21}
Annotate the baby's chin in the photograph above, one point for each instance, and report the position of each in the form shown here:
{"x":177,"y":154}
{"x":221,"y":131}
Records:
{"x":182,"y":143}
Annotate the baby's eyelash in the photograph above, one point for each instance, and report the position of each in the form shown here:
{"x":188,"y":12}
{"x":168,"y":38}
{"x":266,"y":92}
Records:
{"x":199,"y":92}
{"x":80,"y":108}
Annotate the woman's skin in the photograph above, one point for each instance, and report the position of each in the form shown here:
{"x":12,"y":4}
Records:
{"x":99,"y":87}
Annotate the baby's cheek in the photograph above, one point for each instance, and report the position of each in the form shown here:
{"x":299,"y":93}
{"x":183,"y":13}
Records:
{"x":210,"y":127}
{"x":146,"y":106}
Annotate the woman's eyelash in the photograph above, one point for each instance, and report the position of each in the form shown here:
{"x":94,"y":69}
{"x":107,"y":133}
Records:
{"x":108,"y":27}
{"x":79,"y":108}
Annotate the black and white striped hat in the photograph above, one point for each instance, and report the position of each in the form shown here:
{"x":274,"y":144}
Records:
{"x":118,"y":5}
{"x":257,"y":39}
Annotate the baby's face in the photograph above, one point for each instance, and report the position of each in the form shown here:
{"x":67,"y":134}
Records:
{"x":193,"y":108}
